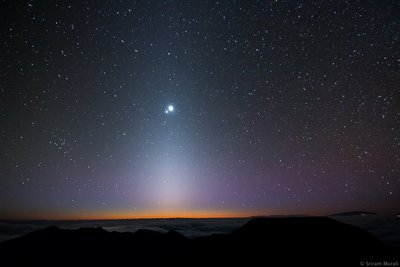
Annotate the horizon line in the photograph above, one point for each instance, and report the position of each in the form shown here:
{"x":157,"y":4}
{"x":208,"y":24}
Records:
{"x":138,"y":218}
{"x":161,"y":216}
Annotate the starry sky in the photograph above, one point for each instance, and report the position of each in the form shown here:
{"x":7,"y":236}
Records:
{"x":124,"y":109}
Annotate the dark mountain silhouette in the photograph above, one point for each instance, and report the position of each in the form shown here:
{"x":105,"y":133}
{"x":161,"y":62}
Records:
{"x":353,"y":213}
{"x":298,"y":241}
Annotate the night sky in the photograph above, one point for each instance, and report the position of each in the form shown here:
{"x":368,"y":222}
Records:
{"x":122,"y":109}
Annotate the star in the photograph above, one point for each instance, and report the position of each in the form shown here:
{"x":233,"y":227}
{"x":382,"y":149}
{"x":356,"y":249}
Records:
{"x":169,"y":109}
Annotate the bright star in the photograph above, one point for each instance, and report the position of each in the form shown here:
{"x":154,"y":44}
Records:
{"x":169,"y":109}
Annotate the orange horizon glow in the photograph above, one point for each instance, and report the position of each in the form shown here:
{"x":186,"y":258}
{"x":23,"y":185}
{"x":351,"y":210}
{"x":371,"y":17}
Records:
{"x":125,"y":215}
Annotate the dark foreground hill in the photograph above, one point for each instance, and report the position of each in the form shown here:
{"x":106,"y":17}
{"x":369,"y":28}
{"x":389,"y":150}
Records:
{"x":295,"y":241}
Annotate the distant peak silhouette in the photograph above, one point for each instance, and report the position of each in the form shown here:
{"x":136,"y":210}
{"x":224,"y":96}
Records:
{"x":353,"y":213}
